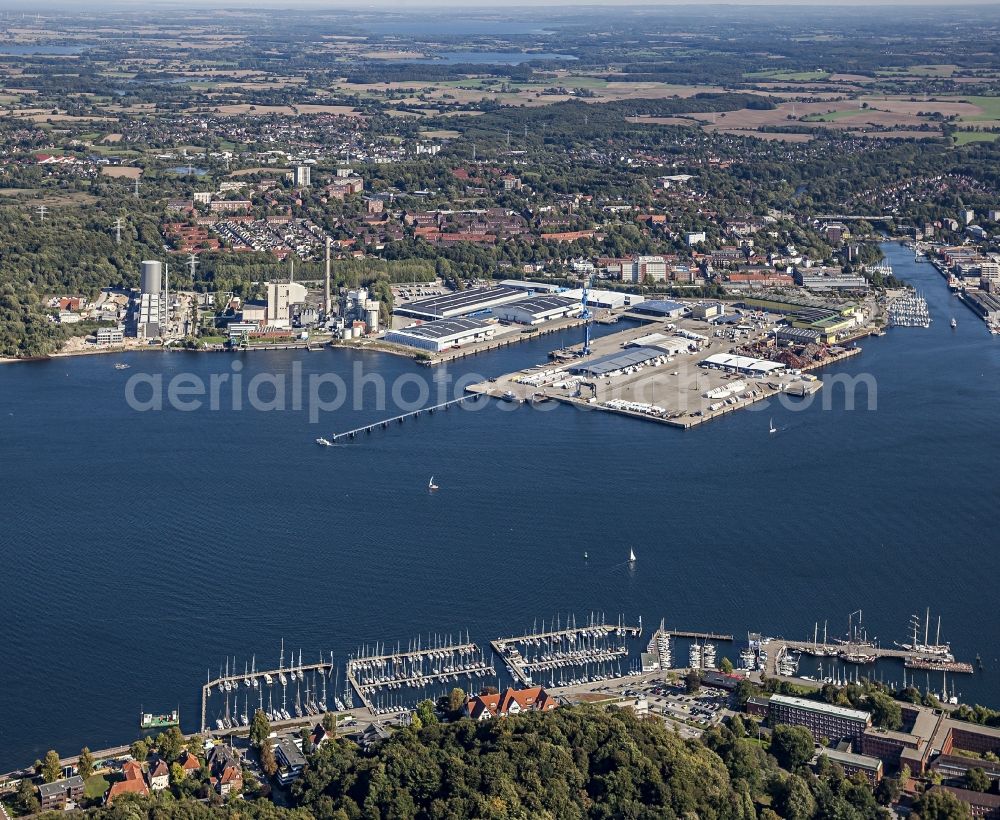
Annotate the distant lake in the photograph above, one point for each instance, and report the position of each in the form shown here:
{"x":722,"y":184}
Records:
{"x":497,"y":57}
{"x":41,"y":48}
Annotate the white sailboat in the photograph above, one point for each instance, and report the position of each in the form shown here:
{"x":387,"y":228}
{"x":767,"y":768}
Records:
{"x":631,"y":556}
{"x":431,"y":485}
{"x":772,"y":428}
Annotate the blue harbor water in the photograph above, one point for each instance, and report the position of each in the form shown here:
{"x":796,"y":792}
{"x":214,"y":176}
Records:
{"x":141,"y":548}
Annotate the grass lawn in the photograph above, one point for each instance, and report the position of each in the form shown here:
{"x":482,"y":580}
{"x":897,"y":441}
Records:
{"x":95,"y":786}
{"x":965,"y":137}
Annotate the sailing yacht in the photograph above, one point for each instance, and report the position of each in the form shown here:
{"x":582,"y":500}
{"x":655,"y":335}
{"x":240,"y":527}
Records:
{"x":431,"y":485}
{"x":772,"y":428}
{"x":631,"y":556}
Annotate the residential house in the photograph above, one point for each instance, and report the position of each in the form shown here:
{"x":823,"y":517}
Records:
{"x":132,"y":782}
{"x":226,"y":770}
{"x":159,"y":775}
{"x":511,"y":702}
{"x":55,"y":796}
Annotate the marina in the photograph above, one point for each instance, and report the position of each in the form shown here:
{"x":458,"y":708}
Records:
{"x":591,"y":651}
{"x":293,"y":689}
{"x":437,"y":663}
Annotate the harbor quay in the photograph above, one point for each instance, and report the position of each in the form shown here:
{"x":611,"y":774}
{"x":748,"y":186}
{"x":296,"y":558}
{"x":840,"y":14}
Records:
{"x":682,"y":372}
{"x":563,"y":660}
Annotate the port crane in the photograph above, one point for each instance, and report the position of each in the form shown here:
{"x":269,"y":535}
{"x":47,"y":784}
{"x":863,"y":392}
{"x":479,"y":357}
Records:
{"x":586,"y":315}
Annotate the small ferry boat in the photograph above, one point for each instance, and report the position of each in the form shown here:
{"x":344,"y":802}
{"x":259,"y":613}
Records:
{"x":122,"y":366}
{"x":151,"y":721}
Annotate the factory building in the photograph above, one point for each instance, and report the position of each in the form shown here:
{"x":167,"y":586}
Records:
{"x":671,"y":345}
{"x":281,"y":296}
{"x":741,"y":364}
{"x":707,"y":310}
{"x":149,"y":305}
{"x":605,"y":299}
{"x":615,"y":362}
{"x":460,"y":303}
{"x":531,"y":287}
{"x":537,"y":309}
{"x":442,"y":334}
{"x":661,"y":309}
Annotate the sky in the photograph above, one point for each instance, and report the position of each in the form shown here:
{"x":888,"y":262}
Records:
{"x":41,"y":6}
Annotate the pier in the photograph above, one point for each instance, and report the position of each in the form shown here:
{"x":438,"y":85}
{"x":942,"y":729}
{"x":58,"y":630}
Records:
{"x":562,"y":648}
{"x":255,"y":682}
{"x":861,"y":654}
{"x":384,"y":423}
{"x":441,"y":663}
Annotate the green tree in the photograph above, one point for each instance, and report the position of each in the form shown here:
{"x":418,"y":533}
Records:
{"x":51,"y":767}
{"x":977,"y":780}
{"x":795,"y":801}
{"x":260,"y":729}
{"x":692,"y":681}
{"x":425,"y":711}
{"x":170,"y":744}
{"x":139,"y":750}
{"x":938,"y":804}
{"x":726,"y":666}
{"x":792,"y":746}
{"x":267,"y":759}
{"x":26,"y":798}
{"x":329,"y":722}
{"x":177,"y":775}
{"x":887,"y":791}
{"x":886,"y":712}
{"x":85,"y":765}
{"x":456,"y":700}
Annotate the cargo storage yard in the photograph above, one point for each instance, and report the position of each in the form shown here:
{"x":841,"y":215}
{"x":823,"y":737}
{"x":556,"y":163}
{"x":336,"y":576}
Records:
{"x":677,"y":370}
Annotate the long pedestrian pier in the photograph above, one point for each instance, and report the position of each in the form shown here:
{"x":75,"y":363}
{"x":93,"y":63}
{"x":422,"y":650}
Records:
{"x":444,"y":661}
{"x":384,"y":423}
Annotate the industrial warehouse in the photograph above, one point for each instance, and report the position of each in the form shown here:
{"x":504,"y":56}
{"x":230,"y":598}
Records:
{"x":442,"y":334}
{"x":537,"y":309}
{"x":460,"y":303}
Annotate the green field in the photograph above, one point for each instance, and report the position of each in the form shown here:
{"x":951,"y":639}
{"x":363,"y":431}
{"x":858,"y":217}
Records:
{"x":832,"y":116}
{"x":965,"y":137}
{"x":798,"y":76}
{"x":990,"y":106}
{"x":919,"y":71}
